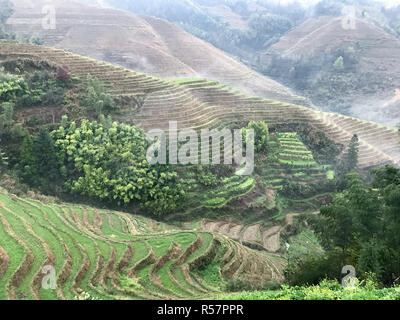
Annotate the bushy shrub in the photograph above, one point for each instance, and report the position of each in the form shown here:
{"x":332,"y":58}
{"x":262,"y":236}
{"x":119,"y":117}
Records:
{"x":261,"y":135}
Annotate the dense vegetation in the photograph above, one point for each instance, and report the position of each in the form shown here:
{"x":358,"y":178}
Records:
{"x":360,"y":228}
{"x":326,"y":290}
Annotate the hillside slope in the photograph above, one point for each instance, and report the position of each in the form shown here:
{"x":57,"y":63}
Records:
{"x":305,"y":57}
{"x":142,"y":43}
{"x":113,"y":255}
{"x":201,"y":103}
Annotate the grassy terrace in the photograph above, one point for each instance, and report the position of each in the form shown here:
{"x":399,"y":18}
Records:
{"x":109,"y":255}
{"x":290,"y":159}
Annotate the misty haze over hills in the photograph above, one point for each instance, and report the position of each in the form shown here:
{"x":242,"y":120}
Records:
{"x":199,"y":149}
{"x":248,"y":30}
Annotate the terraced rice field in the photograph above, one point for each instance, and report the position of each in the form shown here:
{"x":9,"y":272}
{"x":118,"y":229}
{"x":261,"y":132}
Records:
{"x":255,"y":234}
{"x":291,"y":152}
{"x":114,"y":255}
{"x":198,"y":103}
{"x":217,"y":197}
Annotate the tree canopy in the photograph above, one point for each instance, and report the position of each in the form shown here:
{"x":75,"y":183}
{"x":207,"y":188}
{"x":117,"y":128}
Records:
{"x":109,"y":163}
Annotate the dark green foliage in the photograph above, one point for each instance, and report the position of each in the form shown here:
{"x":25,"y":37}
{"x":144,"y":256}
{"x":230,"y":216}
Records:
{"x":271,"y":24}
{"x":364,"y":224}
{"x":311,"y":269}
{"x":27,"y":161}
{"x":238,"y":285}
{"x":261,"y":135}
{"x":352,"y":155}
{"x":38,"y":164}
{"x":38,"y":89}
{"x":348,"y":163}
{"x":3,"y":161}
{"x":328,"y":78}
{"x":45,"y":156}
{"x":206,"y":177}
{"x":109,"y":163}
{"x":43,"y":89}
{"x":6,"y":118}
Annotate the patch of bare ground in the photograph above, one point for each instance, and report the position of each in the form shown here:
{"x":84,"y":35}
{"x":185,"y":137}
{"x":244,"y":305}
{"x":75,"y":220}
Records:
{"x":4,"y":261}
{"x":98,"y":221}
{"x":190,"y":250}
{"x":126,"y":258}
{"x":65,"y":271}
{"x":86,"y":222}
{"x":252,"y":233}
{"x":82,"y":270}
{"x":224,"y":228}
{"x":129,"y":223}
{"x":271,"y":239}
{"x":234,"y":231}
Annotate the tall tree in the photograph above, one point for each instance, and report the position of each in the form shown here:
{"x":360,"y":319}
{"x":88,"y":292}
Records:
{"x":352,"y":156}
{"x":6,"y":118}
{"x":45,"y":156}
{"x":27,"y":160}
{"x":3,"y":161}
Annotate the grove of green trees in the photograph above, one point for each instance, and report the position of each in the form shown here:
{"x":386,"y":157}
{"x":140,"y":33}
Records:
{"x":361,"y":227}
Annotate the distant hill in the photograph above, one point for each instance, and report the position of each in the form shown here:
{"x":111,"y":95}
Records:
{"x":142,"y":43}
{"x":308,"y":58}
{"x":200,"y":103}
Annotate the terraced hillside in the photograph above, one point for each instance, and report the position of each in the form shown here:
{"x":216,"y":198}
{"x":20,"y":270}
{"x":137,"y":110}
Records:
{"x":198,"y":103}
{"x":285,"y":149}
{"x":371,"y":70}
{"x":113,"y":255}
{"x":143,"y":43}
{"x":290,"y":150}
